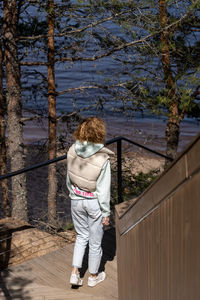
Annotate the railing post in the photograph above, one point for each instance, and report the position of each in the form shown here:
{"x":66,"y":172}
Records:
{"x":119,"y":170}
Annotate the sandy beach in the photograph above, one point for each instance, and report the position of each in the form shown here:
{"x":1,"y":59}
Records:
{"x":152,"y":132}
{"x":147,"y":131}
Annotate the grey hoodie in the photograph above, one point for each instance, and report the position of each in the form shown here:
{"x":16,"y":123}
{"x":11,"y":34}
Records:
{"x":102,"y":192}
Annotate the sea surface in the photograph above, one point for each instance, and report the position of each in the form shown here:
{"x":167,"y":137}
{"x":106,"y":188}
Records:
{"x":120,"y":121}
{"x":110,"y":104}
{"x":144,"y":128}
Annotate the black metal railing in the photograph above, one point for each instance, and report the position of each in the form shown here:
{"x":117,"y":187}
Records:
{"x":117,"y":140}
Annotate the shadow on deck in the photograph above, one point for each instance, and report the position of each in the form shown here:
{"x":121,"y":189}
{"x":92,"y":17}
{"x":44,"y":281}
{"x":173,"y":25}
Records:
{"x":47,"y":277}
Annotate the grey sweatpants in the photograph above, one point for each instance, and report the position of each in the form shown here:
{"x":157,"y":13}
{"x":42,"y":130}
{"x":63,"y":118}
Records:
{"x":87,"y":218}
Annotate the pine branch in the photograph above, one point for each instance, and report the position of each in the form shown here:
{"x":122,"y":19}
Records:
{"x":116,"y":49}
{"x":89,"y":107}
{"x":97,"y":86}
{"x":67,"y":32}
{"x":31,"y":118}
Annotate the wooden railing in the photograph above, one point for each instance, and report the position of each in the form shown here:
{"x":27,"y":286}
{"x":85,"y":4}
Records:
{"x":158,"y":235}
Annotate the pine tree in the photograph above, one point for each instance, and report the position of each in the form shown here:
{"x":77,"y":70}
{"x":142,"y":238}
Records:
{"x":14,"y":110}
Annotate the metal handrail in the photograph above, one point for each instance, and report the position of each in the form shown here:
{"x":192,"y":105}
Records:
{"x":117,"y":140}
{"x":36,"y":166}
{"x":137,"y":144}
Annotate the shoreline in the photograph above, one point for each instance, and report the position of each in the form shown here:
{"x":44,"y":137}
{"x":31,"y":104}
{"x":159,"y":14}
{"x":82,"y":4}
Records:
{"x":146,"y":131}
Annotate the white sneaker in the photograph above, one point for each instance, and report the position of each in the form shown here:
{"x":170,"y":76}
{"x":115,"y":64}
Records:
{"x":92,"y":281}
{"x":75,"y":279}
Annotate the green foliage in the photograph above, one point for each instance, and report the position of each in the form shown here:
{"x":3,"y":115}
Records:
{"x":35,"y":27}
{"x":69,"y":226}
{"x":132,"y":184}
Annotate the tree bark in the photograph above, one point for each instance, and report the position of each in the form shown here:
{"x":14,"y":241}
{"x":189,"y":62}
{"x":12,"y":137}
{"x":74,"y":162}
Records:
{"x":52,"y":191}
{"x":14,"y":110}
{"x":3,"y":160}
{"x":173,"y":126}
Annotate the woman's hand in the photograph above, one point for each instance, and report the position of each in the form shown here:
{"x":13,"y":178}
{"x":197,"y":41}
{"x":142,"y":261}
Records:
{"x":105,"y":221}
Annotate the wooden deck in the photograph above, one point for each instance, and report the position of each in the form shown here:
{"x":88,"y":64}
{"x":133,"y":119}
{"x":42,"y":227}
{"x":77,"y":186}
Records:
{"x":47,"y":277}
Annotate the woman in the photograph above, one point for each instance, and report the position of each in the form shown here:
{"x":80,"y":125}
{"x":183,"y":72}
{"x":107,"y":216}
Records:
{"x":88,"y":181}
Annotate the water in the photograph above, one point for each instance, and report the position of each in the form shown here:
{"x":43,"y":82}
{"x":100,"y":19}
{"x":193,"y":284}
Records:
{"x":110,"y":103}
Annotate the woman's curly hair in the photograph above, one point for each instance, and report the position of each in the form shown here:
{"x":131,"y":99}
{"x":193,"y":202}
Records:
{"x":92,"y":130}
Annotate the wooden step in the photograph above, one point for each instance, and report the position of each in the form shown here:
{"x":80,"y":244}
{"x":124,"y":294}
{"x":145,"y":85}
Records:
{"x":44,"y":276}
{"x":39,"y":292}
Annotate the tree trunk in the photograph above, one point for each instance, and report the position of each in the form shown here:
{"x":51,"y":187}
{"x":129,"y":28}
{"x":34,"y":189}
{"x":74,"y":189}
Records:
{"x":52,"y":191}
{"x":14,"y":110}
{"x":3,"y":160}
{"x":173,"y":126}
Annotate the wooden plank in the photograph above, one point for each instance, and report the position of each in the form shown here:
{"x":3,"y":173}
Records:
{"x":53,"y":271}
{"x":123,"y":207}
{"x":159,"y":258}
{"x":193,"y":158}
{"x":42,"y":292}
